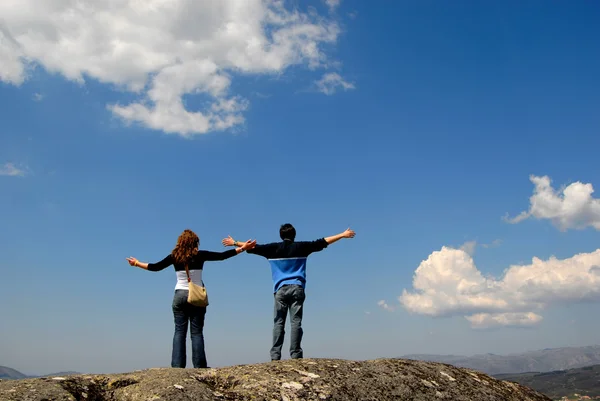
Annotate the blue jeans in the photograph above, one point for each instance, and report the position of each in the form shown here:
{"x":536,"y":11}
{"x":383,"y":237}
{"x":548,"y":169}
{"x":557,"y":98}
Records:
{"x":288,"y":298}
{"x":182,"y":313}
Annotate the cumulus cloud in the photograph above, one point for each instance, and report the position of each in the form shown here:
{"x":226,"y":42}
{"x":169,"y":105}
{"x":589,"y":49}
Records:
{"x":163,"y":51}
{"x":572,"y":207}
{"x":9,"y":169}
{"x":331,"y":82}
{"x":492,"y":320}
{"x":385,"y":306}
{"x":448,"y":283}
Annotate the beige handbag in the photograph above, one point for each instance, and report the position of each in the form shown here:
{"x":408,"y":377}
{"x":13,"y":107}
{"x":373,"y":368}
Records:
{"x":197,"y":295}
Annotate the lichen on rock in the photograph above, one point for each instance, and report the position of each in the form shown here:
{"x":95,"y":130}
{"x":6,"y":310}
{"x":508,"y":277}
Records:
{"x":293,"y":380}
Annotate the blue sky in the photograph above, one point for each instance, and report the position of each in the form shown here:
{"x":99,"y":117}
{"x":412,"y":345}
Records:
{"x":430,"y":131}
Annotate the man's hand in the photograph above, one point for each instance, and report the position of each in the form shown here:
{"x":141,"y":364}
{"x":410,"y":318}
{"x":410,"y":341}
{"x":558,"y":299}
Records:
{"x":132,"y":261}
{"x":228,"y":241}
{"x":334,"y":238}
{"x":248,"y":245}
{"x":349,"y":233}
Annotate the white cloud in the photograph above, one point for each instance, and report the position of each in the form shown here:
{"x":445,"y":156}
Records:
{"x":38,"y":97}
{"x":9,"y":169}
{"x":491,"y":320}
{"x":333,"y":4}
{"x":331,"y":81}
{"x":573,"y":207}
{"x":385,"y":306}
{"x":12,"y":69}
{"x":162,"y":50}
{"x":449,"y":284}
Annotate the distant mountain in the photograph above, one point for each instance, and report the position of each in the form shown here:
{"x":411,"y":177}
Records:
{"x":59,"y":374}
{"x":10,"y":374}
{"x":546,"y":360}
{"x":7,"y":373}
{"x":583,"y":381}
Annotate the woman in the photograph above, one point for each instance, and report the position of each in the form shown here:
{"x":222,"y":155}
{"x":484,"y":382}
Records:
{"x":186,"y":252}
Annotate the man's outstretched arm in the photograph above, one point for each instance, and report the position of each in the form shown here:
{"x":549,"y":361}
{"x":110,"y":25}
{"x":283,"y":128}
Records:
{"x":346,"y":234}
{"x":322,"y":243}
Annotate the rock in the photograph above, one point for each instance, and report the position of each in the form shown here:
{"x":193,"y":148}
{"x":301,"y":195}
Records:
{"x":447,"y":376}
{"x":295,"y":380}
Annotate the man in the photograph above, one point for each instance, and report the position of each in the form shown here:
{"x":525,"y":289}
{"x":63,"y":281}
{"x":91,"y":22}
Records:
{"x":288,"y":269}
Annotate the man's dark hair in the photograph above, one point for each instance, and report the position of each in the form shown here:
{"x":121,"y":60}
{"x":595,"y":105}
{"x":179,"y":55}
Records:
{"x":287,"y":231}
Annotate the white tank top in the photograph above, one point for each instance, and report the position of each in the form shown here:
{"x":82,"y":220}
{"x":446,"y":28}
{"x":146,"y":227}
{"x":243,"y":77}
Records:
{"x":182,"y":282}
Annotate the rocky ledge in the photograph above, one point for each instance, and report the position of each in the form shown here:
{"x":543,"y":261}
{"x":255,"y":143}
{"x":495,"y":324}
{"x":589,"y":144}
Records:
{"x":307,"y":379}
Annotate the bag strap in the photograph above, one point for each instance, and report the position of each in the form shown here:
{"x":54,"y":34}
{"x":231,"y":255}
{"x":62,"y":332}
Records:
{"x":187,"y":271}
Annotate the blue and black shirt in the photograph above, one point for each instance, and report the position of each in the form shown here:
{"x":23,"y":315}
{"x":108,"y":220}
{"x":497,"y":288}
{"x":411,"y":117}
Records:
{"x":288,"y":260}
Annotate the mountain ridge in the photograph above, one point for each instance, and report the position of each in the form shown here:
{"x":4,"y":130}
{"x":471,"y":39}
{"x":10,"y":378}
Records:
{"x":584,"y":381}
{"x":10,"y":373}
{"x":537,"y":361}
{"x":7,"y":373}
{"x":543,"y":360}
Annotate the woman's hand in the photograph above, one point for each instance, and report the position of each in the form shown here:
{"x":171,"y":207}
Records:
{"x":134,"y":262}
{"x":248,"y":245}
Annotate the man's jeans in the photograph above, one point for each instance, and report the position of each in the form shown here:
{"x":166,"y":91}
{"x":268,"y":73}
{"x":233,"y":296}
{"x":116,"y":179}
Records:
{"x":288,"y":297}
{"x":182,"y":313}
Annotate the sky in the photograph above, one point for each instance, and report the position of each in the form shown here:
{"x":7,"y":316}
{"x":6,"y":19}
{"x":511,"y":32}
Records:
{"x":458,"y":139}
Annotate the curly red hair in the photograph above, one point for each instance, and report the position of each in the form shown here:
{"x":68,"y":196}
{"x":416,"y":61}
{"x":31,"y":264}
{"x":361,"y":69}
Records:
{"x":186,"y":248}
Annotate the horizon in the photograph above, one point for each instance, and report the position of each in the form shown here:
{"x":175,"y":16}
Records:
{"x":38,"y":374}
{"x":458,"y":140}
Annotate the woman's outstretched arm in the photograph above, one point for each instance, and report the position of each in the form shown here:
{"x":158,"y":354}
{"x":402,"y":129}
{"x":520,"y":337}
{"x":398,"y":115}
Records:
{"x":153,"y":267}
{"x":214,"y":256}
